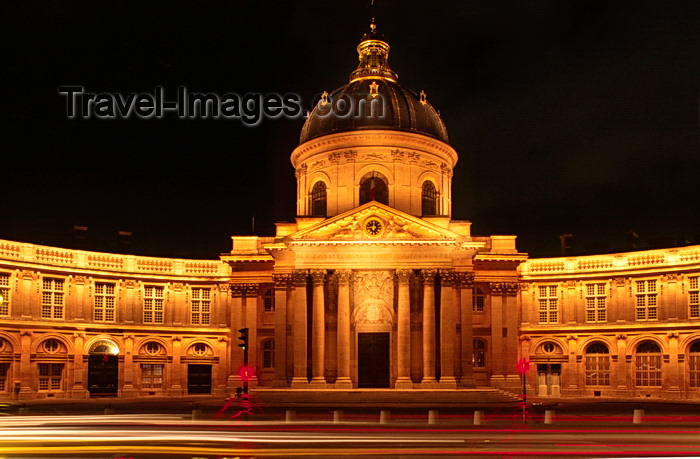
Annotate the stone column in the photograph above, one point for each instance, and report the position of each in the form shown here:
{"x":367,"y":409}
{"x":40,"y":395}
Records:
{"x":250,"y":306}
{"x":448,"y":320}
{"x":495,"y":353}
{"x":403,"y":330}
{"x":465,"y":282}
{"x":282,"y":283}
{"x":674,"y":369}
{"x":343,"y":381}
{"x":131,"y":370}
{"x":299,"y":379}
{"x":619,"y":377}
{"x":318,"y":330}
{"x":510,"y":340}
{"x":236,"y":321}
{"x":429,"y":380}
{"x":79,"y":368}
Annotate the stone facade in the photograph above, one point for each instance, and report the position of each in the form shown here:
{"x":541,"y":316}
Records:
{"x":373,"y":286}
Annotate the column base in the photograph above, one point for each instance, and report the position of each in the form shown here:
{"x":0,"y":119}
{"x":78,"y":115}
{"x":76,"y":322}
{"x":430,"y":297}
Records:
{"x":318,"y":383}
{"x":448,"y":382}
{"x":343,"y":383}
{"x":300,"y":383}
{"x":467,"y":382}
{"x":403,"y":383}
{"x":429,"y":383}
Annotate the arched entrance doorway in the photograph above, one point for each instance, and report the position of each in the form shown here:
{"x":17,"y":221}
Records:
{"x":103,"y":369}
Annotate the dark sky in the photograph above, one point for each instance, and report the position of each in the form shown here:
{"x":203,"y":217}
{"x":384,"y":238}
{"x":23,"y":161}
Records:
{"x":569,"y":117}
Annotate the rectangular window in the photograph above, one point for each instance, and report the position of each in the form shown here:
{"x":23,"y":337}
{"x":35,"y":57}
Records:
{"x":648,"y":368}
{"x":50,"y":376}
{"x":104,"y":302}
{"x":595,"y":303}
{"x":201,"y":306}
{"x":549,"y":305}
{"x":694,"y":366}
{"x":5,"y":293}
{"x":4,"y":367}
{"x":269,"y":301}
{"x":152,"y":375}
{"x":52,"y":299}
{"x":598,"y":370}
{"x":153,"y":304}
{"x":693,"y":294}
{"x":646,"y":300}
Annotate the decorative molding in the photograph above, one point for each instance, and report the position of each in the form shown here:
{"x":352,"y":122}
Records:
{"x":80,"y":280}
{"x":620,"y":281}
{"x":673,"y":335}
{"x":177,"y":286}
{"x":621,"y":337}
{"x":525,"y":338}
{"x":224,"y":288}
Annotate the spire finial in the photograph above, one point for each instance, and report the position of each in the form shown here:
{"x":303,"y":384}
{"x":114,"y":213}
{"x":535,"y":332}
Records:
{"x":372,"y":26}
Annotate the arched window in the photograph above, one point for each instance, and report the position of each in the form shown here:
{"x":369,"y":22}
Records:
{"x":319,"y":199}
{"x":647,"y":364}
{"x":597,"y":364}
{"x":694,"y":364}
{"x":429,"y":198}
{"x":268,"y":353}
{"x":479,"y":356}
{"x":478,"y":300}
{"x":374,"y":188}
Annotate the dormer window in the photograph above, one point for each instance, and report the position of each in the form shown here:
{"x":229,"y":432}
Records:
{"x":429,"y":198}
{"x":319,"y":198}
{"x":374,"y":188}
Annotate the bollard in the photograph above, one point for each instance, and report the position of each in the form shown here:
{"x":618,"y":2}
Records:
{"x":549,"y":416}
{"x":384,"y":416}
{"x":109,"y":410}
{"x":290,"y":416}
{"x":638,"y":415}
{"x":432,"y":417}
{"x":478,"y":418}
{"x":337,"y":416}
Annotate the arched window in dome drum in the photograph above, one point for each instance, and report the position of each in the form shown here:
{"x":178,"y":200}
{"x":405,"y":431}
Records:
{"x":374,"y":188}
{"x":429,"y":198}
{"x":319,"y":199}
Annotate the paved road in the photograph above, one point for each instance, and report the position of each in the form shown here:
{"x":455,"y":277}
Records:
{"x":148,"y":436}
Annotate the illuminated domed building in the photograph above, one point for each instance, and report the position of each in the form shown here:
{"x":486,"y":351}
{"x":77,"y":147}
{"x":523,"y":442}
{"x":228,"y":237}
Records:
{"x":373,"y":286}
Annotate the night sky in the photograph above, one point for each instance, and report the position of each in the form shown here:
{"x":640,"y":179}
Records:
{"x":568,"y":117}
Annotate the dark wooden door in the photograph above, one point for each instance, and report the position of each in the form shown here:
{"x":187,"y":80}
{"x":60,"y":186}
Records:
{"x":373,"y":360}
{"x":198,"y":379}
{"x":103,"y":375}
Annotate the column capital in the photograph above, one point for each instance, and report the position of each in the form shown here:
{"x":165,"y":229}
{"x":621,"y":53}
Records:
{"x":428,"y":275}
{"x":299,"y":276}
{"x":497,"y":288}
{"x":281,"y":280}
{"x":224,"y":288}
{"x":464,"y":280}
{"x":511,"y":288}
{"x":403,"y":275}
{"x":237,"y":290}
{"x":250,"y":289}
{"x":318,"y":276}
{"x":343,"y":275}
{"x":447,"y":277}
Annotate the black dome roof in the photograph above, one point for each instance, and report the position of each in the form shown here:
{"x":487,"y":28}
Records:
{"x":403,"y":110}
{"x":373,"y":80}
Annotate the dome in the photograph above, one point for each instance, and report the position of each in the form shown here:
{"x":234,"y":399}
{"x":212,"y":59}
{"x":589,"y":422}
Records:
{"x":373,"y":100}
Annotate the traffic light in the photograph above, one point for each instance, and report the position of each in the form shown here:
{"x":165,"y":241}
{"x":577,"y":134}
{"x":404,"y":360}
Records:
{"x":243,"y":338}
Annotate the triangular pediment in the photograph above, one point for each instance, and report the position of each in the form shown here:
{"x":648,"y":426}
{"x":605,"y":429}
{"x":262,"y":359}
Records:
{"x":374,"y":221}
